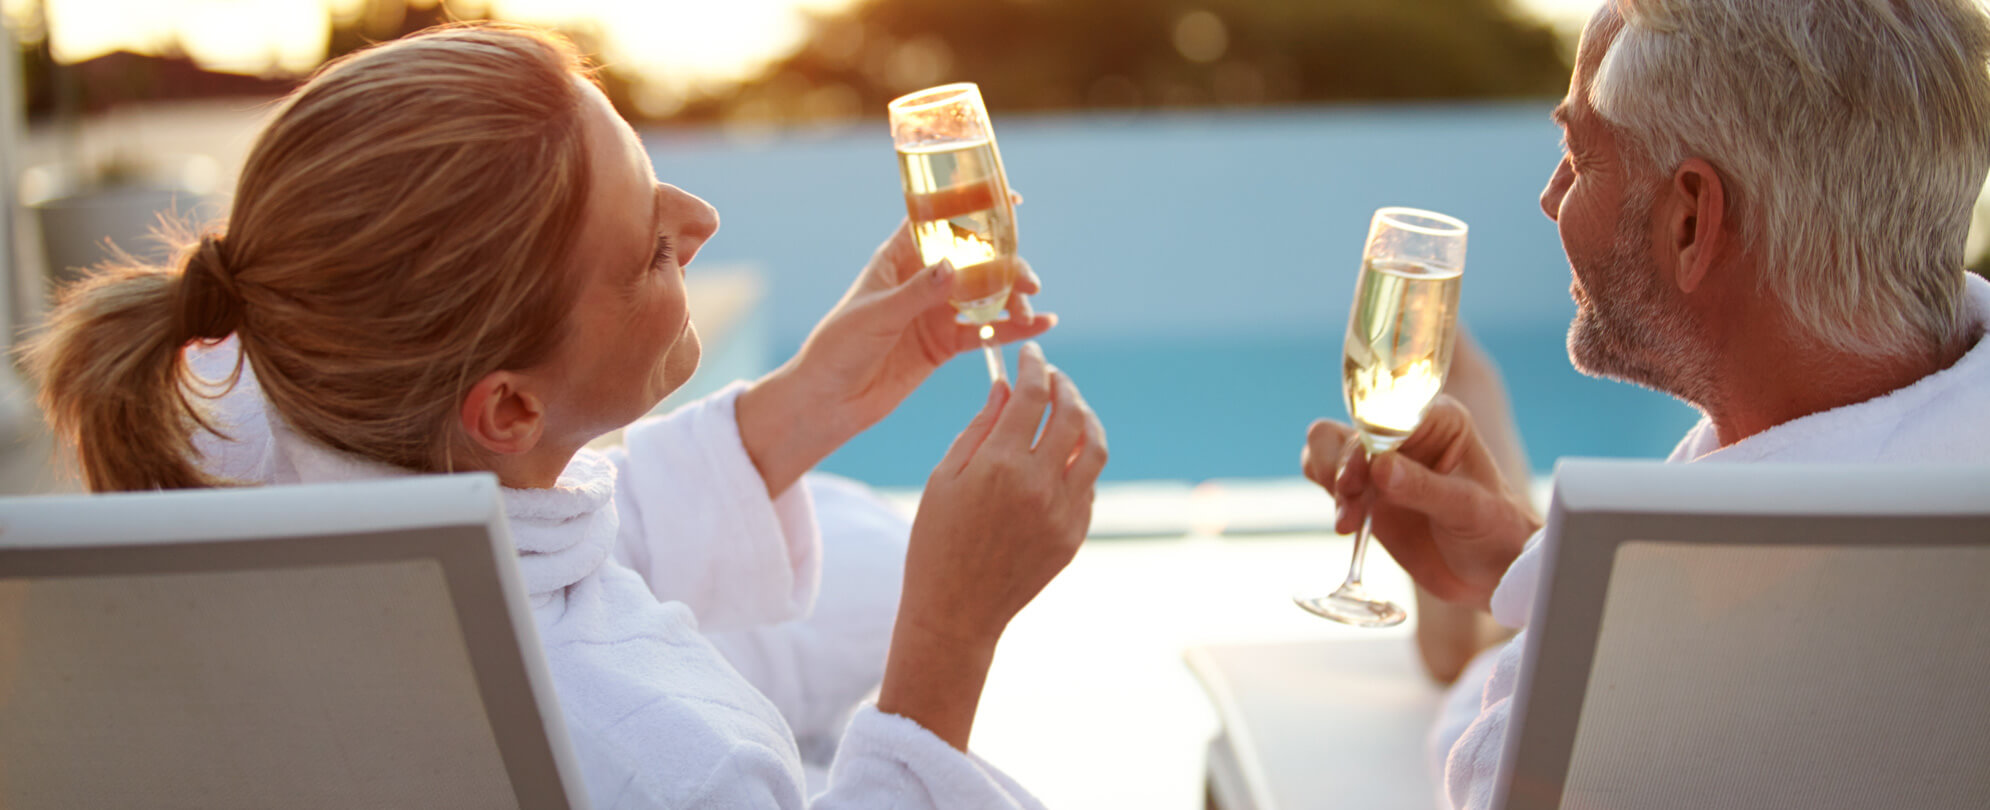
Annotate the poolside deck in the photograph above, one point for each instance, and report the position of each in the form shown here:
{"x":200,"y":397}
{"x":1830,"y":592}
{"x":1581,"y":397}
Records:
{"x":1091,"y":703}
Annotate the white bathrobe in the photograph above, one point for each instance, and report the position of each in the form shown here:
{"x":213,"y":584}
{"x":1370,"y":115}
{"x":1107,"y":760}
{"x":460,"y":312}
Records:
{"x":640,"y":566}
{"x":1938,"y":419}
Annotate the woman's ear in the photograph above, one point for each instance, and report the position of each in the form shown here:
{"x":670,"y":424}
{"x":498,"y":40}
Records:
{"x":502,"y":416}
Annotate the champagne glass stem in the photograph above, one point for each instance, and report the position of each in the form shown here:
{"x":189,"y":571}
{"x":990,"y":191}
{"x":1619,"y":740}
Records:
{"x":1350,"y":603}
{"x":1360,"y":556}
{"x":996,"y":371}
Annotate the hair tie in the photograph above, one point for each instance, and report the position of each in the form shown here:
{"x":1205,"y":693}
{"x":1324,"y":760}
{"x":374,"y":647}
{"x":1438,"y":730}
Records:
{"x":210,"y":302}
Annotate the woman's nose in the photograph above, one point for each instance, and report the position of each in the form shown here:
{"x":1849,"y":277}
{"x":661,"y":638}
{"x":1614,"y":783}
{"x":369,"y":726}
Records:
{"x":696,"y":221}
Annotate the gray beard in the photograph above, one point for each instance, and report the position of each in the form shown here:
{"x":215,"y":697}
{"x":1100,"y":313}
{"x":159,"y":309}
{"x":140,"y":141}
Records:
{"x":1625,"y":332}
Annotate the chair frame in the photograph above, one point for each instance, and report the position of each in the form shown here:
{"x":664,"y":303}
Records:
{"x":455,"y":521}
{"x":1601,"y":504}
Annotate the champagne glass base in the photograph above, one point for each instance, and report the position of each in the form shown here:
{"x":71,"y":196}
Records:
{"x":1352,"y":605}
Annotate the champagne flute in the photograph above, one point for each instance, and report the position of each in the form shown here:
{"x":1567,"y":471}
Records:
{"x":1398,"y":349}
{"x":958,"y":200}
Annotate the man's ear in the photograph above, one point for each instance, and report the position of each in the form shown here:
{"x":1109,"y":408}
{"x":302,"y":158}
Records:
{"x":501,"y":415}
{"x":1697,"y":223}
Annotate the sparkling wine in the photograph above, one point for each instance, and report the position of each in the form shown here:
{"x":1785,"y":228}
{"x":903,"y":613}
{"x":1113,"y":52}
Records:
{"x":959,"y":204}
{"x":1398,"y":348}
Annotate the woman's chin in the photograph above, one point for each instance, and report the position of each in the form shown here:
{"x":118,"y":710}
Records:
{"x":681,"y":362}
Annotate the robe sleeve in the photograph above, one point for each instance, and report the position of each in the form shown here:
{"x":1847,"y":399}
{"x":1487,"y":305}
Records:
{"x":886,"y":761}
{"x":697,"y":522}
{"x":890,"y":761}
{"x":817,"y":669}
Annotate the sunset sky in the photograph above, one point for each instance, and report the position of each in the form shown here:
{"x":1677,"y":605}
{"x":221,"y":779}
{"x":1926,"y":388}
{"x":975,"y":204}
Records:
{"x":678,"y":42}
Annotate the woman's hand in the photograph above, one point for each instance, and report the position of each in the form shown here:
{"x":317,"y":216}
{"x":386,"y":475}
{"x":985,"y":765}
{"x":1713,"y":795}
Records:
{"x":887,"y":335}
{"x":1003,"y":513}
{"x":1441,"y":506}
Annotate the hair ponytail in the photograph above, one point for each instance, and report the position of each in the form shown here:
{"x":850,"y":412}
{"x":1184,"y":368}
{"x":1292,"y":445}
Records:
{"x":401,"y":229}
{"x":114,"y":379}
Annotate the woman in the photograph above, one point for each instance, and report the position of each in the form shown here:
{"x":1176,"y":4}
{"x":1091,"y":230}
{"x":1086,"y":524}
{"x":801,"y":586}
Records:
{"x":448,"y":253}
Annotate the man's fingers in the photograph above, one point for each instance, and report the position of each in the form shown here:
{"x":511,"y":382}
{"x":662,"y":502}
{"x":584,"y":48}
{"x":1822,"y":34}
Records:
{"x":1440,"y":439}
{"x":1018,"y":423}
{"x":970,"y":439}
{"x":1405,"y":483}
{"x":1348,"y":518}
{"x":1320,"y":458}
{"x":1353,"y":461}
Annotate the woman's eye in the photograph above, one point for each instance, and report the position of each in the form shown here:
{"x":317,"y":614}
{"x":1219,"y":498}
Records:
{"x":662,"y":258}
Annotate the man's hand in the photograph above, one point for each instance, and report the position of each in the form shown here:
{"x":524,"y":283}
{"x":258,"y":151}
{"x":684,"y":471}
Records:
{"x":1440,"y":504}
{"x":887,"y":335}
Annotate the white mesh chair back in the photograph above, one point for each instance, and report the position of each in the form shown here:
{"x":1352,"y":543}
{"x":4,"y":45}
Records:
{"x":1758,"y":636}
{"x":325,"y":646}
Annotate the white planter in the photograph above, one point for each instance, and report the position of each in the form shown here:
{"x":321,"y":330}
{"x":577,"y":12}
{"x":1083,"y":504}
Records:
{"x":77,"y":229}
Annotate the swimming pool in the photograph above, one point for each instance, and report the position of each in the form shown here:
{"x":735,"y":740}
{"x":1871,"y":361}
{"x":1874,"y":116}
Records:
{"x":1202,"y":267}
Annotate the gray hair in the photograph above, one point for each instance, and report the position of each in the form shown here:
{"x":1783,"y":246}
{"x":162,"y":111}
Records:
{"x":1853,"y":136}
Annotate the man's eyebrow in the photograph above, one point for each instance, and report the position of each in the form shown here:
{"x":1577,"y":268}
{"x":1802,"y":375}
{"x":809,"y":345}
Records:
{"x":1560,"y":115}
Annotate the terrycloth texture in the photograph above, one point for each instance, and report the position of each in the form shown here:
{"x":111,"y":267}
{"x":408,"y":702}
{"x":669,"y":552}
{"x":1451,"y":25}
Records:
{"x":657,"y":715}
{"x":818,"y":669}
{"x":1937,"y":419}
{"x":693,"y":554}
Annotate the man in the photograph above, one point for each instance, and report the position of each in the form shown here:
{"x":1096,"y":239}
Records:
{"x":1764,"y":205}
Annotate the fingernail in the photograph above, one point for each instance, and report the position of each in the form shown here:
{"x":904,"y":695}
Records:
{"x":1340,"y":513}
{"x":943,"y":272}
{"x":1396,"y":475}
{"x":1032,"y":347}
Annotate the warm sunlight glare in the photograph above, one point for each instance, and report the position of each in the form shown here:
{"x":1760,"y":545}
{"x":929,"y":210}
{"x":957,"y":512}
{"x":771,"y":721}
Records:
{"x":677,"y":43}
{"x":1396,"y":398}
{"x":681,"y":41}
{"x":968,"y":248}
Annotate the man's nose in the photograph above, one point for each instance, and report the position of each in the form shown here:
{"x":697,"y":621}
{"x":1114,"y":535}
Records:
{"x":1558,"y":187}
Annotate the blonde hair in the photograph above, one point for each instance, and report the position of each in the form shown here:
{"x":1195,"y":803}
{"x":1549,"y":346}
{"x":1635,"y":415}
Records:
{"x":1854,"y":134}
{"x":399,"y":231}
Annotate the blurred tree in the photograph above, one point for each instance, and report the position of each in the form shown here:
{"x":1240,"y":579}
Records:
{"x":1060,"y":54}
{"x":51,"y":88}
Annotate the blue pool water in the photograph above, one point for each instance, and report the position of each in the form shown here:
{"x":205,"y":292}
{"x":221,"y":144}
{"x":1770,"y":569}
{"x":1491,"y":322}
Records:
{"x":1202,"y":267}
{"x":1190,"y":409}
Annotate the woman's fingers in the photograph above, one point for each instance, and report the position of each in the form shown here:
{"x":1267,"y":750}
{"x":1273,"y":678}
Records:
{"x":1019,"y":308}
{"x":1017,"y":425}
{"x":1027,"y":281}
{"x":1065,"y":425}
{"x":913,"y":298}
{"x":967,"y":336}
{"x":1090,"y":456}
{"x":970,"y":439}
{"x":898,"y":250}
